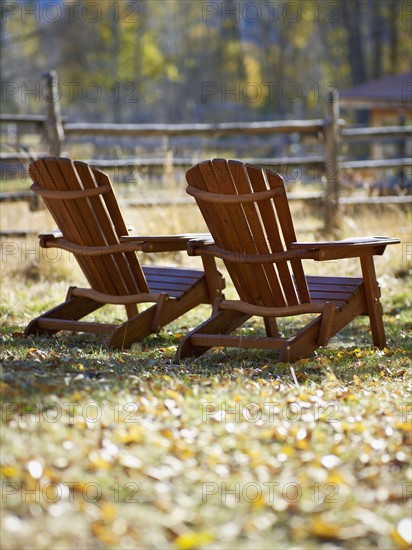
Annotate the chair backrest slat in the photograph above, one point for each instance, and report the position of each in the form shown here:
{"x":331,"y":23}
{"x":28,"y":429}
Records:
{"x":254,"y":278}
{"x":267,"y":278}
{"x":260,"y":227}
{"x":81,"y":209}
{"x":105,"y":209}
{"x":232,"y":230}
{"x":288,"y":231}
{"x":120,"y":227}
{"x":49,"y":176}
{"x":87,"y":221}
{"x":203,"y":177}
{"x":260,"y":180}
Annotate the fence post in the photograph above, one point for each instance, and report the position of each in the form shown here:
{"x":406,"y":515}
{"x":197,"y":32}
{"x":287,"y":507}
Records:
{"x":54,"y":124}
{"x":332,"y":168}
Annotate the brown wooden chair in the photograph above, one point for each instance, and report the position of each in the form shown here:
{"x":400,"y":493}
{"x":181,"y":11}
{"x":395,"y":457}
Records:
{"x":83,"y":204}
{"x":247,"y":212}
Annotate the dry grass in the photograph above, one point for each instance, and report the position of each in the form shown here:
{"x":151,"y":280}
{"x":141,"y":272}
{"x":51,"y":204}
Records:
{"x":325,"y":465}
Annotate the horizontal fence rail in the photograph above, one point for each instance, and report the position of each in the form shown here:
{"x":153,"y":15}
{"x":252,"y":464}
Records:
{"x":376,"y":164}
{"x":330,"y":132}
{"x":376,"y":132}
{"x":22,"y":119}
{"x":223,"y":128}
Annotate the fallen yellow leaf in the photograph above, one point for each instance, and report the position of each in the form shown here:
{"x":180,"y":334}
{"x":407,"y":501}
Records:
{"x":324,"y":529}
{"x":402,"y":535}
{"x":104,"y":534}
{"x":108,"y":511}
{"x":9,"y":471}
{"x":191,"y":539}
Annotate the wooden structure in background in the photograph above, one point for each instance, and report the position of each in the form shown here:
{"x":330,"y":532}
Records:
{"x":247,"y":212}
{"x":388,"y":103}
{"x":388,"y":100}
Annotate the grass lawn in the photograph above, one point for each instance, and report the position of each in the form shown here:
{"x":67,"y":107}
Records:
{"x":123,"y":450}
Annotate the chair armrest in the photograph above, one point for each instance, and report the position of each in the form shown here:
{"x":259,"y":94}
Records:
{"x":51,"y":241}
{"x":51,"y":234}
{"x":296,"y":251}
{"x":163,"y":243}
{"x":346,"y":248}
{"x":48,"y":237}
{"x":209,"y":248}
{"x":197,"y":247}
{"x":160,"y":243}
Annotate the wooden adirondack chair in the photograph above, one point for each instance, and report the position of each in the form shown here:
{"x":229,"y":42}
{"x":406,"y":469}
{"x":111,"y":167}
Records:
{"x":247,"y":212}
{"x":83,"y":204}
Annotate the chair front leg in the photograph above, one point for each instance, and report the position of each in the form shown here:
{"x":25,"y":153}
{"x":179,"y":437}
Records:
{"x":271,"y":327}
{"x":131,"y":310}
{"x":214,"y":280}
{"x":372,"y":295}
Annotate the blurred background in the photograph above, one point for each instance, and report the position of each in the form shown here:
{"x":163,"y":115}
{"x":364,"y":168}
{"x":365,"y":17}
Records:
{"x":320,"y":91}
{"x":197,"y":61}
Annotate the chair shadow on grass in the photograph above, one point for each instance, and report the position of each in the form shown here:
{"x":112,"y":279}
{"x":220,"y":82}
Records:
{"x":38,"y":367}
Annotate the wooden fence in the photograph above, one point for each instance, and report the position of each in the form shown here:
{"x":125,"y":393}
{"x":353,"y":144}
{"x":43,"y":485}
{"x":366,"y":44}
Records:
{"x":330,"y":132}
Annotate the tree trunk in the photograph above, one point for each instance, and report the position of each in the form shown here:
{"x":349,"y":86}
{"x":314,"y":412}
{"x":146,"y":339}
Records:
{"x":377,"y":38}
{"x":393,"y":36}
{"x":352,"y":21}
